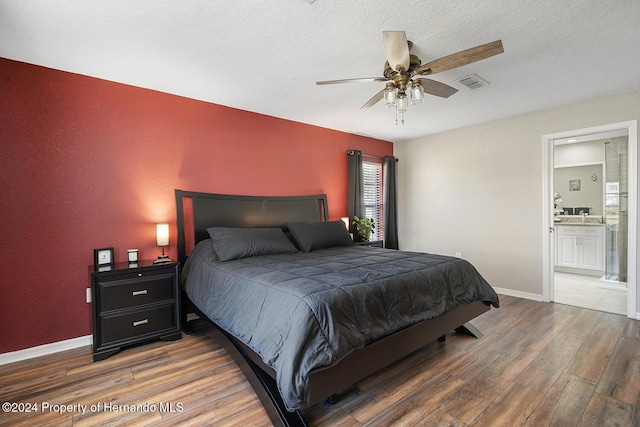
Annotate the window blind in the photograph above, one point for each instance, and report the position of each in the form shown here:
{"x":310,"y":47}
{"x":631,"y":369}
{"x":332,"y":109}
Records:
{"x":372,"y":183}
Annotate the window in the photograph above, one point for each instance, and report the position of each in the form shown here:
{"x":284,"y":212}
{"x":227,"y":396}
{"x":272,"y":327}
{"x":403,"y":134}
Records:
{"x":372,"y":183}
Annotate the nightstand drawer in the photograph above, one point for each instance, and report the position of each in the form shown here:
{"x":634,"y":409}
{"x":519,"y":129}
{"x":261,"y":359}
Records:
{"x":135,"y":291}
{"x":137,"y":323}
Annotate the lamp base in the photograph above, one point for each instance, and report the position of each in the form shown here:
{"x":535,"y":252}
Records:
{"x":162,"y":259}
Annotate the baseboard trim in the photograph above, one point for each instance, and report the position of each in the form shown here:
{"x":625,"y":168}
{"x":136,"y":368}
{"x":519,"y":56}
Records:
{"x":43,"y":350}
{"x":519,"y":294}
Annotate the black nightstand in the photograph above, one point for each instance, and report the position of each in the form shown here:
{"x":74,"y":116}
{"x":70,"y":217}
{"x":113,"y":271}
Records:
{"x":133,"y":303}
{"x":371,"y":244}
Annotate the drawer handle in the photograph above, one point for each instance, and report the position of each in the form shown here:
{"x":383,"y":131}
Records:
{"x":142,"y":292}
{"x":141,"y":322}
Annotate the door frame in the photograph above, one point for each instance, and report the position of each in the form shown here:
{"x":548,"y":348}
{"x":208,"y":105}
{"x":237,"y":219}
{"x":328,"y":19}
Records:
{"x":633,"y":311}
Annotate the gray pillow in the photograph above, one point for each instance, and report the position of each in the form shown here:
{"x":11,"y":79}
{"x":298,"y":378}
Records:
{"x":319,"y":235}
{"x":236,"y":243}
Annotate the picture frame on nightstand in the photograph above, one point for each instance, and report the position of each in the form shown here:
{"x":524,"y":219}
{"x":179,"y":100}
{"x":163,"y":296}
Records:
{"x":103,"y":257}
{"x":132,"y":256}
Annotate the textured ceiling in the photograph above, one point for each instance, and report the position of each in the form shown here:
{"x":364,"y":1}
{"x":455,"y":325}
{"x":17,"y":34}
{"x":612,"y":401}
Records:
{"x":266,"y":55}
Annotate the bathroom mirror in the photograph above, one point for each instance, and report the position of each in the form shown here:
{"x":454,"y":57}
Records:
{"x":581,"y":188}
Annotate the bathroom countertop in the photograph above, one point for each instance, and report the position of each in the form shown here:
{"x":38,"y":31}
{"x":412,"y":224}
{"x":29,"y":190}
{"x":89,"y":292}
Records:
{"x":590,"y":222}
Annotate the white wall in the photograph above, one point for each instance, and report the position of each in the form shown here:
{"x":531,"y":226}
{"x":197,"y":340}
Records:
{"x":478,"y":190}
{"x":590,"y":194}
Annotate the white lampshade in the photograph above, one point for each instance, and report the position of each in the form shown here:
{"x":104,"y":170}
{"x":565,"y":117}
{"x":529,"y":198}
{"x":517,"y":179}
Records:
{"x":162,"y":234}
{"x":345,"y":219}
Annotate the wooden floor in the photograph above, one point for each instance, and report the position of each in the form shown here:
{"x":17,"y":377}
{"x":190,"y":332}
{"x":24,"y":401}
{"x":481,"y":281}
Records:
{"x":539,"y":364}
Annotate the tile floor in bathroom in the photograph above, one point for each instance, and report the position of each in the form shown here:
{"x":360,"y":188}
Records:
{"x":588,"y":292}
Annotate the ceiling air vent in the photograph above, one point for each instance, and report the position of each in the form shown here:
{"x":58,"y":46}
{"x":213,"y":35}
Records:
{"x":472,"y":81}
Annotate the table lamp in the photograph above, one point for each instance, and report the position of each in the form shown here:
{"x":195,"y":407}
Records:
{"x":162,"y":240}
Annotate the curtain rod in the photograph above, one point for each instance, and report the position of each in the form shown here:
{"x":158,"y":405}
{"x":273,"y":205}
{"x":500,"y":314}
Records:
{"x":375,"y":156}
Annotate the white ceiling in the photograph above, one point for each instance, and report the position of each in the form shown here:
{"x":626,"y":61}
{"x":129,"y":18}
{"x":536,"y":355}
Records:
{"x":266,"y":55}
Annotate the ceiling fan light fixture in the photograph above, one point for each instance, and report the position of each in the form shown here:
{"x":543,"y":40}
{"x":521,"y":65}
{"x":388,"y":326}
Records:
{"x":406,"y":76}
{"x":403,"y":102}
{"x":417,"y":93}
{"x":401,"y":106}
{"x":390,"y":95}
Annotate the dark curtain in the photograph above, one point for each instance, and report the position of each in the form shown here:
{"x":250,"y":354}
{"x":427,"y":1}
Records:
{"x":390,"y":214}
{"x":355,"y":191}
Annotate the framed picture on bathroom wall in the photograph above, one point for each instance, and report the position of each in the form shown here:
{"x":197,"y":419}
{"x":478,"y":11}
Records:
{"x":574,"y":185}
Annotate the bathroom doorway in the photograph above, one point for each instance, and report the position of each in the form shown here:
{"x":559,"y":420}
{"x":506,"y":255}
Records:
{"x":591,"y":222}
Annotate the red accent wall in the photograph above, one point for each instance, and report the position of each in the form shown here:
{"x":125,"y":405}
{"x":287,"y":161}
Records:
{"x":88,"y":163}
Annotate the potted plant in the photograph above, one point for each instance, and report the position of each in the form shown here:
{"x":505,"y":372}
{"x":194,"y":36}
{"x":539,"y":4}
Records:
{"x":557,"y":199}
{"x":364,"y":228}
{"x":557,"y":210}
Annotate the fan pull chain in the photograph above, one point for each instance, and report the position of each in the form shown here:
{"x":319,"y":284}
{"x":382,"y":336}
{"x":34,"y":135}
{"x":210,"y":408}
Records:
{"x":401,"y":117}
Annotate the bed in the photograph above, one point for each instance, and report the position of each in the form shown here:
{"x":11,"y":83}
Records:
{"x":304,"y":312}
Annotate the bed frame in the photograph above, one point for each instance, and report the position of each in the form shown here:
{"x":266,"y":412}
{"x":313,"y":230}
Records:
{"x":198,"y":211}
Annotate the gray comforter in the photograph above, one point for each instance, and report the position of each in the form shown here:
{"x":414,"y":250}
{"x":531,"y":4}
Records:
{"x":305,"y":311}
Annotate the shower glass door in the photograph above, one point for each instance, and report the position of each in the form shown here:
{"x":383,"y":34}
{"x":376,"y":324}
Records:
{"x":615,"y":213}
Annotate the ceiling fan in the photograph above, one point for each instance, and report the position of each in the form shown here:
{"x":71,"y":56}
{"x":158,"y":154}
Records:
{"x":404,"y":72}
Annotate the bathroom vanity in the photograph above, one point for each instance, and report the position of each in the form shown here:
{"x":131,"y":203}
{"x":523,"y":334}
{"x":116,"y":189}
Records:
{"x":580,"y":247}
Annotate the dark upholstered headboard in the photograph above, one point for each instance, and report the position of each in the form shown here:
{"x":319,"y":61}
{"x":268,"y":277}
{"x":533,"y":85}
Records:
{"x":198,"y":211}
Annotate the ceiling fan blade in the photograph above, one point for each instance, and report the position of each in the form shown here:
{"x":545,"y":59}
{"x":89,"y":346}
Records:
{"x":396,"y":48}
{"x":433,"y":87}
{"x":360,"y":80}
{"x":461,"y":58}
{"x":374,"y":100}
